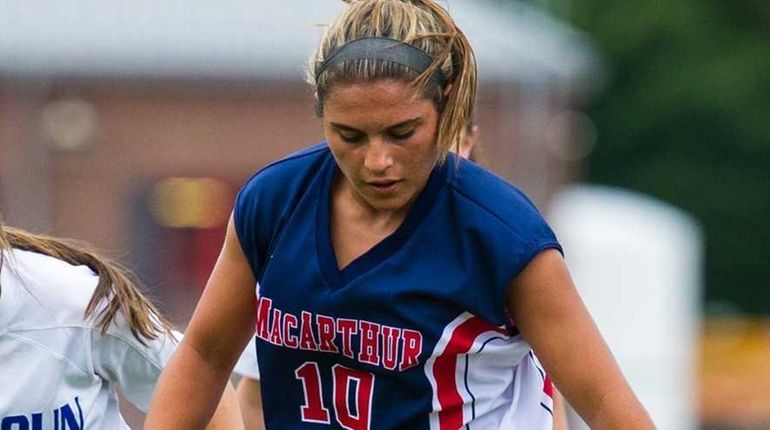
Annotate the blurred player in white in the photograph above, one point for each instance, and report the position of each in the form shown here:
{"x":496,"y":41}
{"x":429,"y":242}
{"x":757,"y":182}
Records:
{"x":73,"y":328}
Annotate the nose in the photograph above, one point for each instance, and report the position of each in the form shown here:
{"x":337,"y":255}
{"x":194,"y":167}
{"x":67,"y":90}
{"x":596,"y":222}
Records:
{"x":378,"y":157}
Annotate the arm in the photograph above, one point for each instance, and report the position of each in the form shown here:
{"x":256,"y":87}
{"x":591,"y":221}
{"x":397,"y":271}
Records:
{"x":227,"y":415}
{"x":551,"y":316}
{"x":118,"y":356}
{"x":559,"y":412}
{"x":250,"y":401}
{"x":249,"y":394}
{"x":222,"y":324}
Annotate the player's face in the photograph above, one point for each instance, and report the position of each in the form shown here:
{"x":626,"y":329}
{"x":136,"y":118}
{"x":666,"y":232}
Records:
{"x":384,"y":141}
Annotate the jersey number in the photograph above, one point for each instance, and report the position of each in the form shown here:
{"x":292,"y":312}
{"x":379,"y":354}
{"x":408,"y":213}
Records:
{"x":346,"y":381}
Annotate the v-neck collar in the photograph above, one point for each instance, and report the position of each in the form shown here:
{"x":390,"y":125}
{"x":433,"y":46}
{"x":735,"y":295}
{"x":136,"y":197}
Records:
{"x":380,"y":252}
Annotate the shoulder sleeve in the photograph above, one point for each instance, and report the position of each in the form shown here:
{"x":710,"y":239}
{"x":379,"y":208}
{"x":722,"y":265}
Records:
{"x":506,"y":229}
{"x":512,"y":242}
{"x":251,"y":226}
{"x":268,"y":197}
{"x":528,"y":231}
{"x":534,"y":234}
{"x":118,"y":357}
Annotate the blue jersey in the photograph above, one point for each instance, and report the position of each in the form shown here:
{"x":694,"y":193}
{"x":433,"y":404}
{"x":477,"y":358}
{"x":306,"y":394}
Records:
{"x":414,"y":333}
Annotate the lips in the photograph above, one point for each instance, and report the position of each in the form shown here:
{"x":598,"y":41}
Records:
{"x":384,"y":185}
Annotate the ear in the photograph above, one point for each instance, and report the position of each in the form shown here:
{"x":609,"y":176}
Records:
{"x":470,"y":141}
{"x":447,"y":89}
{"x":319,"y":109}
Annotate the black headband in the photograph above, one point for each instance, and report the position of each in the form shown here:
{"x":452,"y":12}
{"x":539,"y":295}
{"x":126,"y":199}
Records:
{"x":385,"y":49}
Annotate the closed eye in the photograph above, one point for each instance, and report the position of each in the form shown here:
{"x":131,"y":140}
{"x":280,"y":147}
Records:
{"x":351,"y":137}
{"x":402,"y":135}
{"x":401,"y":131}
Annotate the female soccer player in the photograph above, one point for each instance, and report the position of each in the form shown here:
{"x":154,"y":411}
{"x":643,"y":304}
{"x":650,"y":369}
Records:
{"x":400,"y":286}
{"x":249,"y":391}
{"x":73,"y":327}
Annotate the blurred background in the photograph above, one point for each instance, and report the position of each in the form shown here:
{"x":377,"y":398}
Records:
{"x":642,"y":130}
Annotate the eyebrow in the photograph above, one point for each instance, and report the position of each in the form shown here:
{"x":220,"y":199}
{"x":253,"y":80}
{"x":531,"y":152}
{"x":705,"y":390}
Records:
{"x":408,"y":122}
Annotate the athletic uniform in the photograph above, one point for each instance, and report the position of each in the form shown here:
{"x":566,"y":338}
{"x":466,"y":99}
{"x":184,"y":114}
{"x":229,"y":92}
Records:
{"x":414,"y":333}
{"x":58,"y":371}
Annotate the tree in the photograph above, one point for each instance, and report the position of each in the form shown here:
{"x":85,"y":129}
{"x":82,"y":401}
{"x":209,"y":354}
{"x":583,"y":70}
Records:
{"x":686,"y":118}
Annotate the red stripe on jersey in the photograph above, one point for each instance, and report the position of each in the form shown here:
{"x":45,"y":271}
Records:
{"x":548,"y":386}
{"x":445,"y":367}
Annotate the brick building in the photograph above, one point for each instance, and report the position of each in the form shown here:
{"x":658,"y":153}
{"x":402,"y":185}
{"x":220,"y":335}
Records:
{"x":131,"y":127}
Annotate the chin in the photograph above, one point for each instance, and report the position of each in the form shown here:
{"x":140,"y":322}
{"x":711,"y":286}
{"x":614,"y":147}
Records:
{"x":384,"y":205}
{"x":390,"y":204}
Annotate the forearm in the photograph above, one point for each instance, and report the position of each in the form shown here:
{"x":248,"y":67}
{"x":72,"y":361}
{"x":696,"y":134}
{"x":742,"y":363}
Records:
{"x":188,"y":392}
{"x":559,"y":412}
{"x":228,"y":414}
{"x":619,"y":408}
{"x":250,"y":401}
{"x":552,"y":317}
{"x":597,"y":390}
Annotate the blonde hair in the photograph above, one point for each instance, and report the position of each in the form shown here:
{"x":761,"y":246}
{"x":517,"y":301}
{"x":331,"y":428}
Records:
{"x":117,"y":286}
{"x":423,"y":24}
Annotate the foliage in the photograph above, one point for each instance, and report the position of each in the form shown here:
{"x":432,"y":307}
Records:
{"x":685,"y":117}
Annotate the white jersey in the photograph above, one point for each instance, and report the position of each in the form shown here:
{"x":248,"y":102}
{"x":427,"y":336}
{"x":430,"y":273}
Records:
{"x":57,"y":370}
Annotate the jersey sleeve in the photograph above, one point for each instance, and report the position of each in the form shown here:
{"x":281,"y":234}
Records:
{"x":119,"y":358}
{"x":503,"y":229}
{"x":528,"y":235}
{"x":535,"y":235}
{"x":251,"y":225}
{"x":247,"y":364}
{"x":511,"y":246}
{"x":268,"y":197}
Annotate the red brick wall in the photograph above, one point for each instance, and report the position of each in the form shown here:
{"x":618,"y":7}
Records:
{"x":156,"y":129}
